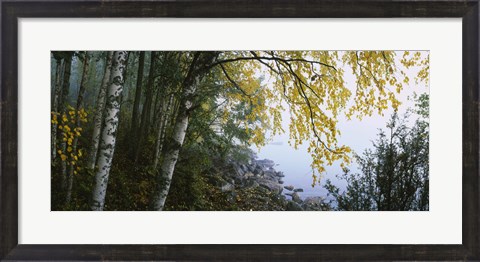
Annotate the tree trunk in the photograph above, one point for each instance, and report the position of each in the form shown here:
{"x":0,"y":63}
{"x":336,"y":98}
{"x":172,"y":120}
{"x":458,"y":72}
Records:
{"x":81,"y":94}
{"x":62,"y":103}
{"x":55,"y":104}
{"x":62,"y":106}
{"x":197,"y":71}
{"x":146,"y":108}
{"x":138,"y":96}
{"x":125,"y":71}
{"x":99,"y":111}
{"x":109,"y":131}
{"x":165,"y":116}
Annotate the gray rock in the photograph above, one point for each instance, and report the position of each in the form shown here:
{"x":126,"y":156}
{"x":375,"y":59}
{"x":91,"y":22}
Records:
{"x":292,"y":206}
{"x":269,"y":174}
{"x":289,"y":187}
{"x":244,"y":168}
{"x":298,"y":190}
{"x":289,"y":194}
{"x":313,"y":203}
{"x":238,"y":171}
{"x":280,"y":174}
{"x":251,"y":183}
{"x":270,"y":185}
{"x":249,"y":174}
{"x":296,"y":198}
{"x":280,"y":182}
{"x":265,"y":163}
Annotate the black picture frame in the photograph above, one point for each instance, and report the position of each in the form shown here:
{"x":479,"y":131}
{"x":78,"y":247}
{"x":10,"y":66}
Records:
{"x":11,"y":10}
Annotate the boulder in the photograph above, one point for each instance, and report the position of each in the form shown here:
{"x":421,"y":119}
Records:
{"x":289,"y":187}
{"x":251,"y":183}
{"x":269,"y":173}
{"x":292,"y":206}
{"x":270,"y":185}
{"x":298,"y":190}
{"x":244,"y":168}
{"x":280,"y":174}
{"x":313,"y":203}
{"x":238,"y":171}
{"x":266,"y":163}
{"x":296,"y":198}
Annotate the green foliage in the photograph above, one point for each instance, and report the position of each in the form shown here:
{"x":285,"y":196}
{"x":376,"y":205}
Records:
{"x":395,"y":173}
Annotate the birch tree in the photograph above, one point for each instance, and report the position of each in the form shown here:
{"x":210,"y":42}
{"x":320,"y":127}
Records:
{"x":99,"y":110}
{"x":109,"y":130}
{"x":198,"y":69}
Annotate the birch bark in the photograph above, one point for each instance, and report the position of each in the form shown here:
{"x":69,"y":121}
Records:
{"x":198,"y":69}
{"x":109,"y":131}
{"x":99,"y":111}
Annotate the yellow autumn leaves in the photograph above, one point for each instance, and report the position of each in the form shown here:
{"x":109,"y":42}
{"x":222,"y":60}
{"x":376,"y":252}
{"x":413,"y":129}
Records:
{"x":315,"y":87}
{"x":68,"y":133}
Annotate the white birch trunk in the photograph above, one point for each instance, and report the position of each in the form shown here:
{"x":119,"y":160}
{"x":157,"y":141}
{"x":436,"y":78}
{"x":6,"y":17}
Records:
{"x":164,"y":177}
{"x":109,"y":131}
{"x":99,"y":110}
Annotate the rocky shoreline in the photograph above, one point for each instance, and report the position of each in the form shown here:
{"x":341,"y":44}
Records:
{"x":260,"y":177}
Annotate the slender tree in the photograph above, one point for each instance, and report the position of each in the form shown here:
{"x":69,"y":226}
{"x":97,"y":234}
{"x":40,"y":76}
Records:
{"x":60,"y":69}
{"x":198,"y":69}
{"x":99,"y":111}
{"x":63,"y":111}
{"x":138,"y":96}
{"x":78,"y":110}
{"x":109,"y":130}
{"x":143,"y":130}
{"x":165,"y":116}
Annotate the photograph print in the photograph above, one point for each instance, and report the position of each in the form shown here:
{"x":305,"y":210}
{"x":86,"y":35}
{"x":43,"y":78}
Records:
{"x":272,"y":130}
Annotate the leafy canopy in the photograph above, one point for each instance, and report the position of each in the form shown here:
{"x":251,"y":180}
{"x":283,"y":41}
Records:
{"x":313,"y":86}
